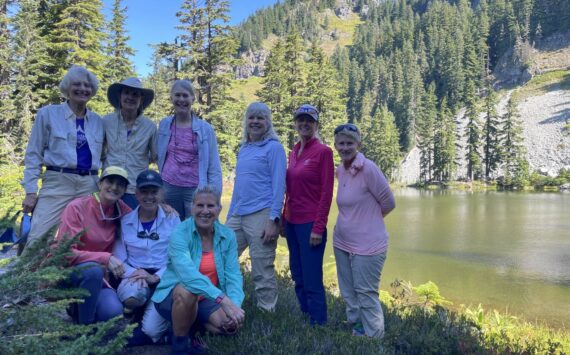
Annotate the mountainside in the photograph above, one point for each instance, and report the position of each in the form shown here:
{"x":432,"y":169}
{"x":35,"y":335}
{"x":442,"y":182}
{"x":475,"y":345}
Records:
{"x":424,"y":60}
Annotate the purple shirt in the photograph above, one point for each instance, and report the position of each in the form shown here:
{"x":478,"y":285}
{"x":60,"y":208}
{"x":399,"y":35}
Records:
{"x":363,"y":198}
{"x":181,"y":165}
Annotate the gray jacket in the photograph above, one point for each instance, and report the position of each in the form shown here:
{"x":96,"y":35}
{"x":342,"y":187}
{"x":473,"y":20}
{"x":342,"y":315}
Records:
{"x":210,"y":170}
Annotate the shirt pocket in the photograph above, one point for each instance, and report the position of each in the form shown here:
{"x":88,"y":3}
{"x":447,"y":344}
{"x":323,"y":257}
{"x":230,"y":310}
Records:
{"x":59,"y":141}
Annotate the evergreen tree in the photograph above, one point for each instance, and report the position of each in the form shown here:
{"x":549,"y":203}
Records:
{"x":275,"y":92}
{"x":118,"y":62}
{"x":473,"y":134}
{"x":295,"y":78}
{"x":324,"y":92}
{"x":381,"y":141}
{"x":7,"y":111}
{"x":163,"y":74}
{"x":206,"y":50}
{"x":30,"y":59}
{"x":76,"y":37}
{"x":491,"y":128}
{"x":515,"y":163}
{"x":426,"y":133}
{"x":444,"y":144}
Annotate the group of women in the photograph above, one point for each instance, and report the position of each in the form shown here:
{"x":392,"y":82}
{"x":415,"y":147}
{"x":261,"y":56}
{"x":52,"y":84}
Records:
{"x":187,"y":273}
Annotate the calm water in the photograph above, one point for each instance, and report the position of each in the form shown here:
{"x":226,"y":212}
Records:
{"x":508,"y":251}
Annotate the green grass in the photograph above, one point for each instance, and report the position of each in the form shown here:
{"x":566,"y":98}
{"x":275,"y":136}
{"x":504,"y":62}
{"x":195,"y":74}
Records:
{"x":542,"y":84}
{"x":245,"y":89}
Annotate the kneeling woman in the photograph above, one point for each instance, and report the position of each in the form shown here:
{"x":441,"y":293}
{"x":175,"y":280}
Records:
{"x":202,"y":283}
{"x":97,"y":217}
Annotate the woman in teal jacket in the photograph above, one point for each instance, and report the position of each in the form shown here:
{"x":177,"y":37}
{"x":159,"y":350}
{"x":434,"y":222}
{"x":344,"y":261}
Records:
{"x":202,"y":282}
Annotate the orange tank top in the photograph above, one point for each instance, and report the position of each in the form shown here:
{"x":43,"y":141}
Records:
{"x":208,"y":267}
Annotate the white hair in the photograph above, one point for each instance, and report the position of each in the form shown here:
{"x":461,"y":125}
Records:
{"x":76,"y":73}
{"x":262,"y":110}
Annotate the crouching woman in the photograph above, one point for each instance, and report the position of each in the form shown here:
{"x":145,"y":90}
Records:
{"x":202,"y":285}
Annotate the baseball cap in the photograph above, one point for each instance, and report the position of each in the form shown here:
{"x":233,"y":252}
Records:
{"x":308,"y":110}
{"x":149,"y":178}
{"x":115,"y":171}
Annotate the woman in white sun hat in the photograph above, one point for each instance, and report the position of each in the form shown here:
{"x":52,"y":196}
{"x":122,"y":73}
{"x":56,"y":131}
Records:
{"x":130,"y":137}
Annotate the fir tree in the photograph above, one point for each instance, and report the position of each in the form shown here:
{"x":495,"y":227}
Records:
{"x":76,"y":37}
{"x":381,"y":141}
{"x":206,"y":50}
{"x":444,"y":144}
{"x":275,"y":92}
{"x":491,"y":128}
{"x":515,"y":163}
{"x":324,"y":92}
{"x":31,"y":58}
{"x":426,"y":133}
{"x":7,"y":110}
{"x":473,"y":135}
{"x":118,"y":62}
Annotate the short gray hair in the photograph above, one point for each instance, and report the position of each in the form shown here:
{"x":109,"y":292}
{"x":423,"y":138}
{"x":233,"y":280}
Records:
{"x":74,"y":74}
{"x":343,"y":130}
{"x":184,"y":84}
{"x":208,"y":190}
{"x":262,"y":110}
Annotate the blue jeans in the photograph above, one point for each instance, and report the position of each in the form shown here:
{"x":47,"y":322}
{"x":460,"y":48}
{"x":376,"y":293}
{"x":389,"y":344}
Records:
{"x":306,"y":264}
{"x":179,"y":198}
{"x":102,"y":304}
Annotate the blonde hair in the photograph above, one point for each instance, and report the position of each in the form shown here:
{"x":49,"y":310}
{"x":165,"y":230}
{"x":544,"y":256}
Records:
{"x":262,"y":110}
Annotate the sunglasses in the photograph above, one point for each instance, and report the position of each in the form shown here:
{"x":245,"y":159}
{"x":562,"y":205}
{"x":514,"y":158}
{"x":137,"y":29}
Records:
{"x":145,"y":235}
{"x":118,"y":215}
{"x":347,"y":126}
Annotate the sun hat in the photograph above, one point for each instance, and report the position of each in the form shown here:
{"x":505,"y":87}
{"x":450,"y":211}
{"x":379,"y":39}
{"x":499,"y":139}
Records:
{"x":307,"y":110}
{"x":114,"y":171}
{"x":114,"y":92}
{"x":149,"y":178}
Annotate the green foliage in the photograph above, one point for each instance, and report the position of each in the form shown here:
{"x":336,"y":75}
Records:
{"x":118,"y":52}
{"x":33,"y":317}
{"x":381,"y":141}
{"x":11,"y":192}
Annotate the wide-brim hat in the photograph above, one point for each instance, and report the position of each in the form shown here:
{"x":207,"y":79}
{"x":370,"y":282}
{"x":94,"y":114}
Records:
{"x":114,"y":92}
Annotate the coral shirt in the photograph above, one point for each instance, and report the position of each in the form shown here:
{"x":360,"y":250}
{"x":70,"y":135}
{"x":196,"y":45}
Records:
{"x":96,"y":243}
{"x":310,"y":181}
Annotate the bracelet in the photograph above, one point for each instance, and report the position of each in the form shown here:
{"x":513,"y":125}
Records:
{"x":220,"y":298}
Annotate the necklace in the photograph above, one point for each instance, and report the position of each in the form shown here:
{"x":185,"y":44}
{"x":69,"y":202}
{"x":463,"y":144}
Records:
{"x":176,"y":150}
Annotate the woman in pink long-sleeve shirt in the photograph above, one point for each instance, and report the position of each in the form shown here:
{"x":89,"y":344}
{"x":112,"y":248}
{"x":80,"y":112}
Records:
{"x":97,"y":216}
{"x":309,"y":181}
{"x":360,"y":242}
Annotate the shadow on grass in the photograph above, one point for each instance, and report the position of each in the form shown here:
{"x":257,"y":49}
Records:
{"x":286,"y":331}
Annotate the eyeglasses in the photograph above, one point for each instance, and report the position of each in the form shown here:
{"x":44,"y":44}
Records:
{"x":146,"y":235}
{"x":348,"y":126}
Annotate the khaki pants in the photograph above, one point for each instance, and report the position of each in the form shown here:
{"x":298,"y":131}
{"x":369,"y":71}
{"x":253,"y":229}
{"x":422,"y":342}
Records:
{"x":359,"y":280}
{"x":248,"y":231}
{"x":58,"y":189}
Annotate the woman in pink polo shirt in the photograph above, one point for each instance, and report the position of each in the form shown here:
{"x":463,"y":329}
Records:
{"x":309,"y":181}
{"x":360,"y":238}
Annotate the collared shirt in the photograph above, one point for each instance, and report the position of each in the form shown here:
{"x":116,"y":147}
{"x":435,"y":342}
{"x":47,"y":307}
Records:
{"x":363,"y":198}
{"x":137,"y":253}
{"x":53,"y":142}
{"x":185,"y":255}
{"x":209,"y":167}
{"x":310,"y":183}
{"x":260,"y":179}
{"x":131,"y":151}
{"x":84,"y":215}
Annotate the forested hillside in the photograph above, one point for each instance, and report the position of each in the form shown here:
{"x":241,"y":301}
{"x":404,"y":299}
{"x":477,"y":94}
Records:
{"x":409,"y":69}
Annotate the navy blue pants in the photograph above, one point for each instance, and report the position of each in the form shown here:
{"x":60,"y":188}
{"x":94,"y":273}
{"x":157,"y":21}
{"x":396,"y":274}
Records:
{"x":102,"y":303}
{"x":306,"y":264}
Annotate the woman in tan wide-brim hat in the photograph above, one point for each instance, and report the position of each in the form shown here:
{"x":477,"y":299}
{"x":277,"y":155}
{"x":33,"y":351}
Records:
{"x":130,"y":137}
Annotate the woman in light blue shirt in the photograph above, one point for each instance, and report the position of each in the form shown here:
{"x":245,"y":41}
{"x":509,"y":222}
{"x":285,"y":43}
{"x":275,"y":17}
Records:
{"x":187,"y":151}
{"x":257,"y":199}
